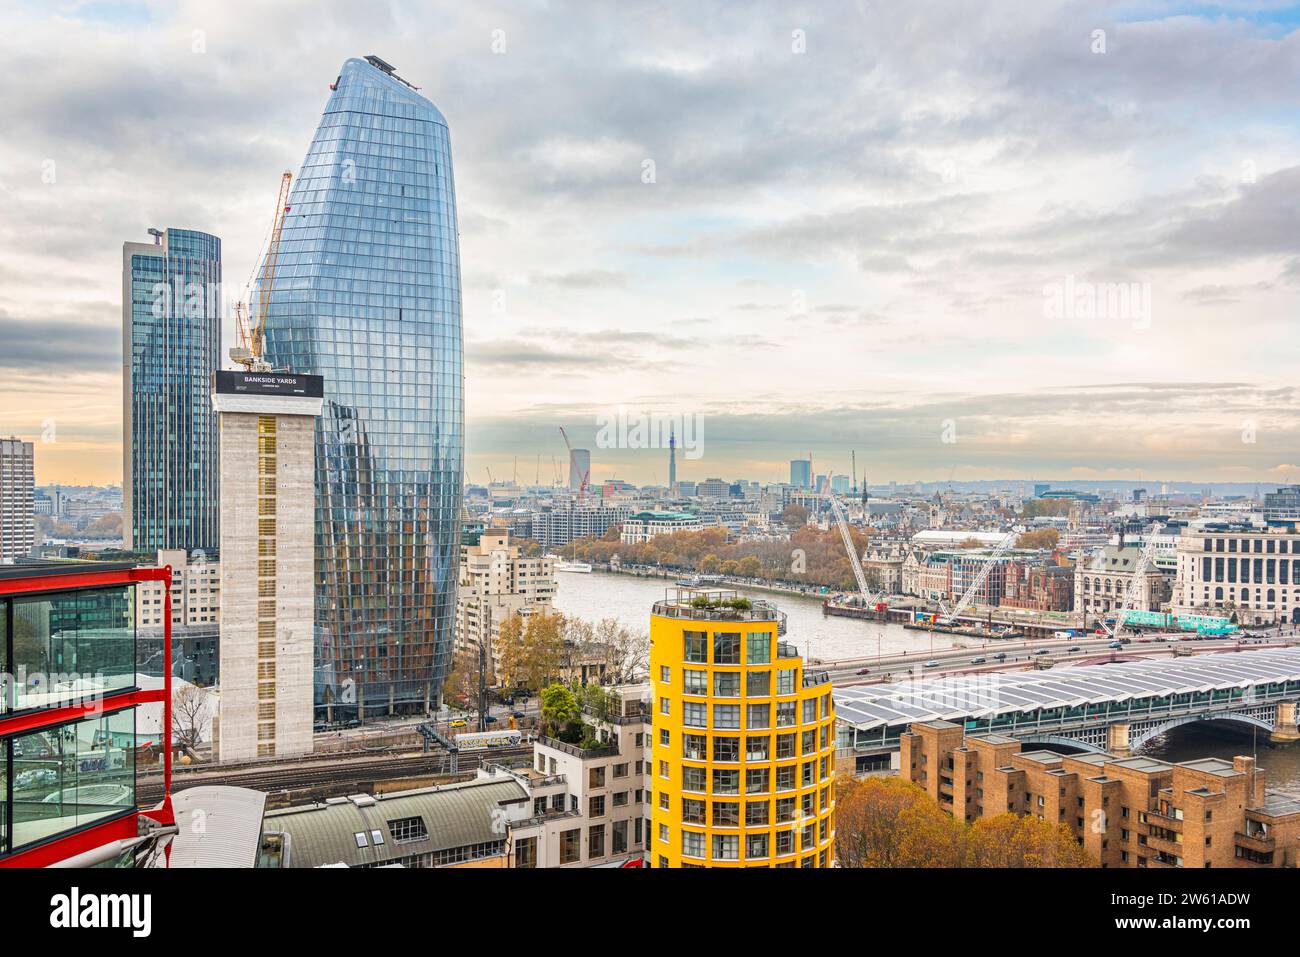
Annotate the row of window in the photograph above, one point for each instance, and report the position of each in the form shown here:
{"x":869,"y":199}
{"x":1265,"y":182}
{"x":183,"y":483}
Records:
{"x":727,"y":780}
{"x":726,"y":748}
{"x":695,"y":714}
{"x":726,"y":847}
{"x":726,"y":647}
{"x":757,"y":813}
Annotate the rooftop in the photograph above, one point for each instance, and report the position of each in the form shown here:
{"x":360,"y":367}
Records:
{"x":717,"y":604}
{"x":958,"y":698}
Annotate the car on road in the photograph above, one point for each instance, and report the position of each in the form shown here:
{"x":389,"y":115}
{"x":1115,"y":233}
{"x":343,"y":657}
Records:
{"x":1000,"y":656}
{"x":1074,"y":648}
{"x":489,"y":719}
{"x":1041,"y":651}
{"x":517,"y":714}
{"x":1062,"y":634}
{"x":1116,"y":644}
{"x":863,"y":671}
{"x":932,"y":664}
{"x":978,"y":660}
{"x":458,"y":723}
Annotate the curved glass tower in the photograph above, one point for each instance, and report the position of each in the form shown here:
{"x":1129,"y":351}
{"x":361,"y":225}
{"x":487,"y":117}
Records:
{"x":367,"y":294}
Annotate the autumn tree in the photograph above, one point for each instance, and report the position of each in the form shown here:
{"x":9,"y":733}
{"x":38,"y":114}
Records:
{"x":531,"y":649}
{"x":1011,"y":841}
{"x":794,"y":516}
{"x":627,"y":652}
{"x":462,"y":685}
{"x":1039,"y":538}
{"x":889,"y":822}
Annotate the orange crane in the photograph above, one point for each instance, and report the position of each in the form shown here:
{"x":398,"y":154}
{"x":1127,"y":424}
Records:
{"x":252,"y":338}
{"x":573,"y":463}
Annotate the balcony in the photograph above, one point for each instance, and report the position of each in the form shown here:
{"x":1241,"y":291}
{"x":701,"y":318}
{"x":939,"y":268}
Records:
{"x":1256,"y":842}
{"x":608,"y":751}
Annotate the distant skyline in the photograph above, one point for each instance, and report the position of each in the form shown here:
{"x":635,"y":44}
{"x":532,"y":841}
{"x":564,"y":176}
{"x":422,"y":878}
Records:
{"x":878,"y":269}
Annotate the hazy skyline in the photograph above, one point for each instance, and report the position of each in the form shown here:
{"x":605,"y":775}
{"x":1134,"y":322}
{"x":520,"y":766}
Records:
{"x":874,"y":269}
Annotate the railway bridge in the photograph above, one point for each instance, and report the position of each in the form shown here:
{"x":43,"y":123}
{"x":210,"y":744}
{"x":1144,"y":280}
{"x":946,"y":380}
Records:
{"x":1111,"y":708}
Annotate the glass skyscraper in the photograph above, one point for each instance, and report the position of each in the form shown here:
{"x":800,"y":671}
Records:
{"x":367,"y":294}
{"x":171,"y":344}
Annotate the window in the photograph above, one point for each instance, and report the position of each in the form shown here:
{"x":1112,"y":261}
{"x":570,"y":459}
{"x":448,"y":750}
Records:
{"x":756,"y":813}
{"x":695,"y":681}
{"x":697,"y":647}
{"x":663,"y":835}
{"x":784,"y":746}
{"x":618,"y":840}
{"x":785,"y":681}
{"x":664,"y":800}
{"x":758,"y":649}
{"x":758,"y":716}
{"x":695,"y":714}
{"x":758,"y":684}
{"x":693,"y":746}
{"x":571,"y":846}
{"x":694,"y":779}
{"x":726,"y":814}
{"x":596,"y":806}
{"x":526,"y":852}
{"x":756,"y":846}
{"x":785,"y":809}
{"x":726,"y":749}
{"x":620,"y":770}
{"x":692,"y":844}
{"x":408,"y":829}
{"x":785,"y":778}
{"x":726,"y":781}
{"x":665,"y":706}
{"x":726,"y":684}
{"x":756,"y":780}
{"x":810,"y":711}
{"x":596,"y":777}
{"x":785,"y":842}
{"x":785,"y":714}
{"x":726,"y":648}
{"x":665,"y":674}
{"x":756,"y":747}
{"x":596,"y":840}
{"x":808,"y":741}
{"x":726,"y":716}
{"x":692,"y":811}
{"x":665,"y":737}
{"x":726,"y":847}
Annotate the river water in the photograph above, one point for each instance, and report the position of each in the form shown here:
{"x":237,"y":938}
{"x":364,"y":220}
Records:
{"x":628,"y":598}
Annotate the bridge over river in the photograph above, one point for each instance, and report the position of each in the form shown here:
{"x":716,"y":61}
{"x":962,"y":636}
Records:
{"x":1111,"y":708}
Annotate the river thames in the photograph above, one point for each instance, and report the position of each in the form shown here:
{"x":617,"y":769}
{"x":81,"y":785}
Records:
{"x":628,"y":599}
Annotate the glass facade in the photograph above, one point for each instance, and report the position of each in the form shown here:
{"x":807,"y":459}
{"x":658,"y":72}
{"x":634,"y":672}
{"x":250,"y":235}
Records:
{"x":172,"y":301}
{"x":367,"y":294}
{"x":60,"y":649}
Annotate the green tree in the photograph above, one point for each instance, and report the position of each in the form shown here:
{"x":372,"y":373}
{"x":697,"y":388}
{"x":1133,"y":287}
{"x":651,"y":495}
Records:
{"x":560,"y":711}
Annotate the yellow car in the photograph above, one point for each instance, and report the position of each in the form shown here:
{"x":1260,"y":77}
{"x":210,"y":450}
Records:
{"x":458,"y":723}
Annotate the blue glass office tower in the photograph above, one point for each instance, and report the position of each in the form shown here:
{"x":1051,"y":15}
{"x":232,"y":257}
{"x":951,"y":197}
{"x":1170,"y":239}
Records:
{"x":367,"y":294}
{"x":171,"y":345}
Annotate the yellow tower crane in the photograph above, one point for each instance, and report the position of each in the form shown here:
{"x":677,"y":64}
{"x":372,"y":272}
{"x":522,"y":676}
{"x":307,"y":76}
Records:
{"x":252,"y":337}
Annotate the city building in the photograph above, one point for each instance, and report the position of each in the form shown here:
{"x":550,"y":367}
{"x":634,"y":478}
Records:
{"x":1124,"y":811}
{"x":586,"y":806}
{"x":195,"y":592}
{"x":70,"y":741}
{"x":497,"y":581}
{"x":801,"y":473}
{"x":1240,"y":570}
{"x":171,"y":344}
{"x":17,"y":500}
{"x":556,"y":525}
{"x":644,"y":526}
{"x":268,"y":445}
{"x":713,"y":488}
{"x":1038,"y":586}
{"x":743,"y":739}
{"x":1282,"y":508}
{"x":579,"y":468}
{"x":367,"y":295}
{"x":1101,"y":582}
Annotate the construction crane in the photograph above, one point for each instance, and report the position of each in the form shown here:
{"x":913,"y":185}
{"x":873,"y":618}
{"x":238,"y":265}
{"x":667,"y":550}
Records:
{"x":252,"y":337}
{"x":1136,"y":585}
{"x":573,"y":464}
{"x":969,"y":596}
{"x":841,"y":520}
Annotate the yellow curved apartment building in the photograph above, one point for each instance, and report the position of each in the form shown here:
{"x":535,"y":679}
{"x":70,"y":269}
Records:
{"x":743,"y":744}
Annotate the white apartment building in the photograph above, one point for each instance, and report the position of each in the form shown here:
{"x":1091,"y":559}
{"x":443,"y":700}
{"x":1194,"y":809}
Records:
{"x":496,"y":581}
{"x":1247,"y":570}
{"x":585,"y":808}
{"x":17,"y":499}
{"x":646,"y":525}
{"x":195,"y":591}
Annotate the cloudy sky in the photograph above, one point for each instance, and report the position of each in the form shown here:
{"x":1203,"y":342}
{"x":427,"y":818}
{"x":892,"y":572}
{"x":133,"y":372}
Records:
{"x":896,"y":227}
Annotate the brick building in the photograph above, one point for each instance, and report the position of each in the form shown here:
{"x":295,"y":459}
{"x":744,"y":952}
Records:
{"x":1126,"y":812}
